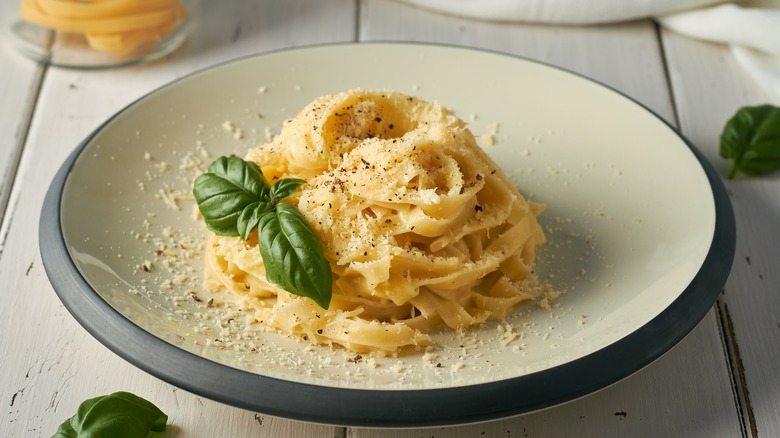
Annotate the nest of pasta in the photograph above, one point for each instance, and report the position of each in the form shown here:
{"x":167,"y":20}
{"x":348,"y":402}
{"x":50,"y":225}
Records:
{"x":421,"y":228}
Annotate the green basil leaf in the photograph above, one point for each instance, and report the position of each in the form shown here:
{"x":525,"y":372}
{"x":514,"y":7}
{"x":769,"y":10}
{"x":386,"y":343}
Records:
{"x":250,"y":217}
{"x":235,"y":199}
{"x":65,"y":431}
{"x":284,"y":188}
{"x":752,"y":139}
{"x":121,"y":415}
{"x":230,"y":185}
{"x":292,"y":256}
{"x":244,"y":174}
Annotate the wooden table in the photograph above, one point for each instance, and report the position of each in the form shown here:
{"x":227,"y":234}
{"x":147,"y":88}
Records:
{"x":721,"y":381}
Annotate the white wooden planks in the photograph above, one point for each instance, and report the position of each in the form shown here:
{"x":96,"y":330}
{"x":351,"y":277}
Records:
{"x":709,"y":88}
{"x":19,"y":82}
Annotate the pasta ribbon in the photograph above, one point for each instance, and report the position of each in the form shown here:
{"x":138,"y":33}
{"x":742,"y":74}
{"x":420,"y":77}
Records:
{"x":420,"y":226}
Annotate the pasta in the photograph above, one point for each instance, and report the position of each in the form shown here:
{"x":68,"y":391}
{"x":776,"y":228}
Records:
{"x":421,"y":228}
{"x":116,"y":26}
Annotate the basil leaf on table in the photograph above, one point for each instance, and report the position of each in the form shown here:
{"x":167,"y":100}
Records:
{"x":296,"y":262}
{"x":120,"y":415}
{"x":752,"y":139}
{"x":235,"y":199}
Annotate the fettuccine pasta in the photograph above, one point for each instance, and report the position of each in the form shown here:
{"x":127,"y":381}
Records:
{"x":421,"y":228}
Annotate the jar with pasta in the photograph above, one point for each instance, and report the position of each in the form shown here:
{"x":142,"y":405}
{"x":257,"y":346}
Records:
{"x":100,"y":33}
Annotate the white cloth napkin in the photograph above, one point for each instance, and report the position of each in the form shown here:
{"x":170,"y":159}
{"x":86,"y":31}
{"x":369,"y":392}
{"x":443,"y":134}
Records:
{"x":750,"y":28}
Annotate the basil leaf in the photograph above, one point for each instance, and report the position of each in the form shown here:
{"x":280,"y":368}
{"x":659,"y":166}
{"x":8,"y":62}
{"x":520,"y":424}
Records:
{"x":230,"y":185}
{"x":120,"y":415}
{"x":284,"y":188}
{"x":244,"y":174}
{"x":250,"y":217}
{"x":235,"y":199}
{"x":752,"y":139}
{"x":292,"y":255}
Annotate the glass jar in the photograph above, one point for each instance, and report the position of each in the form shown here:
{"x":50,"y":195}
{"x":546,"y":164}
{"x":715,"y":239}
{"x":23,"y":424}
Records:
{"x":98,"y":46}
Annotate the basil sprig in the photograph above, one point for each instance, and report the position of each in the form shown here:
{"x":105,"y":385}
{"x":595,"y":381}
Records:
{"x":752,"y":139}
{"x":121,"y":415}
{"x":235,"y":200}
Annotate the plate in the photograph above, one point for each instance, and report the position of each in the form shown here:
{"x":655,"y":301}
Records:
{"x":641,"y":238}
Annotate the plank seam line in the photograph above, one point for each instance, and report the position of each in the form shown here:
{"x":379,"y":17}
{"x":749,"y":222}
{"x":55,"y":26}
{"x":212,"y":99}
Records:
{"x":358,"y":13}
{"x":15,"y":159}
{"x":667,"y":74}
{"x":736,"y":370}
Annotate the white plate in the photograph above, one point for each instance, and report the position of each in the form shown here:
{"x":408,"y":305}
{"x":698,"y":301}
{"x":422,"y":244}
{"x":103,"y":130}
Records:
{"x":641,"y":238}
